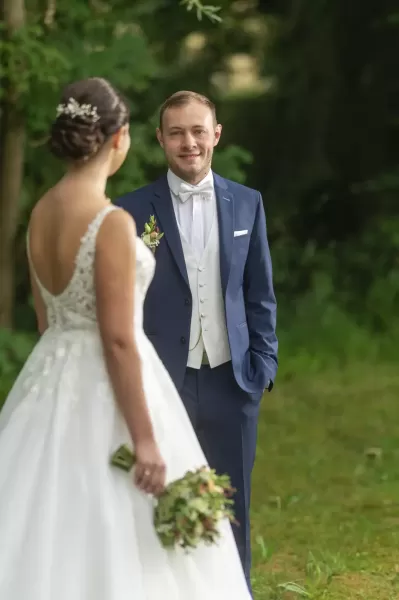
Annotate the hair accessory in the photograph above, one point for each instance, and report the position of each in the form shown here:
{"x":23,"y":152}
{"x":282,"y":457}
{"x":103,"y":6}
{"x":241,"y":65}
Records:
{"x":74,"y":109}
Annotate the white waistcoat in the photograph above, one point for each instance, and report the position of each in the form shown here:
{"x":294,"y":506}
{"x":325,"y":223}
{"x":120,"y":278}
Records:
{"x":208,"y":320}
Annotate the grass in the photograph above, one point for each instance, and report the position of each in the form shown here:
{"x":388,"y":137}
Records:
{"x":326,"y":487}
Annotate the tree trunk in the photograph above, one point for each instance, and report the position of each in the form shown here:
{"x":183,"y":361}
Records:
{"x":12,"y":144}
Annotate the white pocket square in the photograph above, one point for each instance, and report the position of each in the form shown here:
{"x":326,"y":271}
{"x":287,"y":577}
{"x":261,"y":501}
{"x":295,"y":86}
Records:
{"x":241,"y":232}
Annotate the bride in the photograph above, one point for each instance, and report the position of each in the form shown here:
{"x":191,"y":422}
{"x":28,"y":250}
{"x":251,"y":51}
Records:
{"x":71,"y":526}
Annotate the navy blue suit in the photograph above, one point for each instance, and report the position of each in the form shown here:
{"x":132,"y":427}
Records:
{"x":223,"y":403}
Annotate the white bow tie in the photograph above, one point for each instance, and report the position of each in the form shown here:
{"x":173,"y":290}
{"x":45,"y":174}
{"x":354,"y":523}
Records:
{"x":186,"y":190}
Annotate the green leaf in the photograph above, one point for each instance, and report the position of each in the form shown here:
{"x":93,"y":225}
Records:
{"x":294,"y":588}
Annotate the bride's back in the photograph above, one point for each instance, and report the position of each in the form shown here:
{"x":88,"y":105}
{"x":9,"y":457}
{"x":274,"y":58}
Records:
{"x":62,"y":250}
{"x":56,"y":229}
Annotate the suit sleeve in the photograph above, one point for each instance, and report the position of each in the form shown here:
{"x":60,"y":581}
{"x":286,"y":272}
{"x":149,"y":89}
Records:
{"x":260,"y":302}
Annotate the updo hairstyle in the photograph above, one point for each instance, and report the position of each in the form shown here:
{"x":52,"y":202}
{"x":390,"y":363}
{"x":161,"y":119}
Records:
{"x":89,"y":113}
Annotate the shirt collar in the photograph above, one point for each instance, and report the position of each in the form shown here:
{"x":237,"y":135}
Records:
{"x":174,"y":181}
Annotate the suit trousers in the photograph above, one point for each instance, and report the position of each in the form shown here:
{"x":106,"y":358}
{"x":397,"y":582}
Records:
{"x":225,"y":419}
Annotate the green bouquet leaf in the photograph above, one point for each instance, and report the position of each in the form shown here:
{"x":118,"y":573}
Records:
{"x":123,"y":458}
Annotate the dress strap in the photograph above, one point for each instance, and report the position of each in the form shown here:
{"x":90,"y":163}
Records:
{"x":88,"y":241}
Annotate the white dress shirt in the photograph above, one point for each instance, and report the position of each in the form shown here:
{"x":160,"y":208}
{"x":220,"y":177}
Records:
{"x":195,"y":214}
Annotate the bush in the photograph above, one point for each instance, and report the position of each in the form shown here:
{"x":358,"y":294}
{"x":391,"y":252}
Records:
{"x":15,"y":348}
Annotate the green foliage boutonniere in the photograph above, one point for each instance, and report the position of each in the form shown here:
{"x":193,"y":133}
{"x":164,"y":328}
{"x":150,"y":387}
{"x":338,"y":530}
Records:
{"x":152,"y":234}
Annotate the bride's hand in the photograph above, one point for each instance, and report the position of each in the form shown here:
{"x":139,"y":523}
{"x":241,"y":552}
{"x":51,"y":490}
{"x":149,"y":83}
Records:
{"x":150,"y":469}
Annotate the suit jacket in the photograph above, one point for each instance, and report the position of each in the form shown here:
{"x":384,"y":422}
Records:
{"x":246,"y":275}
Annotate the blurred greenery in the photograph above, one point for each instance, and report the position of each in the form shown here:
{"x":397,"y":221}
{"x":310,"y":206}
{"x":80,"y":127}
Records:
{"x":308,"y":95}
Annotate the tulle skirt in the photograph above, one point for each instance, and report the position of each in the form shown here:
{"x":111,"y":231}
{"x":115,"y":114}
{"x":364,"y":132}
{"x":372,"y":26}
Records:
{"x":72,"y":527}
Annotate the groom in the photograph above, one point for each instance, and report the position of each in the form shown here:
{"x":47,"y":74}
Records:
{"x":210,"y":311}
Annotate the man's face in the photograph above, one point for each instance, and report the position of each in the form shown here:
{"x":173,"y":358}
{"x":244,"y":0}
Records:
{"x":188,"y":137}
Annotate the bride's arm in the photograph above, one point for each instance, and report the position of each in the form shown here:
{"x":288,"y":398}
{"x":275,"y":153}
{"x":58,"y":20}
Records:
{"x":115,"y":276}
{"x":38,"y":304}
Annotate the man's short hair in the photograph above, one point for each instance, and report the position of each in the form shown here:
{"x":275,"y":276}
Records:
{"x":185,"y":97}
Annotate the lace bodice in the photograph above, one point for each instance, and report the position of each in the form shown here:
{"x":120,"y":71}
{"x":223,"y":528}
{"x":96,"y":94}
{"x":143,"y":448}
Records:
{"x":75,"y":307}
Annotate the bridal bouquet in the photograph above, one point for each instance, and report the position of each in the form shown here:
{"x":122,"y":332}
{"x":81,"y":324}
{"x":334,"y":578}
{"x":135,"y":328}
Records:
{"x":190,"y":508}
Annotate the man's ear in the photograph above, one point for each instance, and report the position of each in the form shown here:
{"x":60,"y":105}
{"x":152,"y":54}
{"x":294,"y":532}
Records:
{"x":159,"y":137}
{"x":218,"y":133}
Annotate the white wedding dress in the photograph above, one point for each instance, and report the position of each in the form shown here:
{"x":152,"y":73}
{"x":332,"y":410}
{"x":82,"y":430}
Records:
{"x":72,"y":527}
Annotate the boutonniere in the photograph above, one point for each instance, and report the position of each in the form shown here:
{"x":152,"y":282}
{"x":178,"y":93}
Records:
{"x":152,"y":234}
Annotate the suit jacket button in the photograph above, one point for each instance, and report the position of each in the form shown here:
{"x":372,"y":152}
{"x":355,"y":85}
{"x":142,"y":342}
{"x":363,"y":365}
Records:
{"x":187,"y":301}
{"x":183,"y":339}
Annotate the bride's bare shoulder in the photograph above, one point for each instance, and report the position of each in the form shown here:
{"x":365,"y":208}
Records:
{"x":117,"y":230}
{"x":119,"y":220}
{"x":41,"y":207}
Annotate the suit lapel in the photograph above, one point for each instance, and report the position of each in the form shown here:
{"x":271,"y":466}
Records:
{"x":163,"y":206}
{"x":225,"y":209}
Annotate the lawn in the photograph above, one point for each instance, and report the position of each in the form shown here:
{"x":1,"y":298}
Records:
{"x":326,"y":488}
